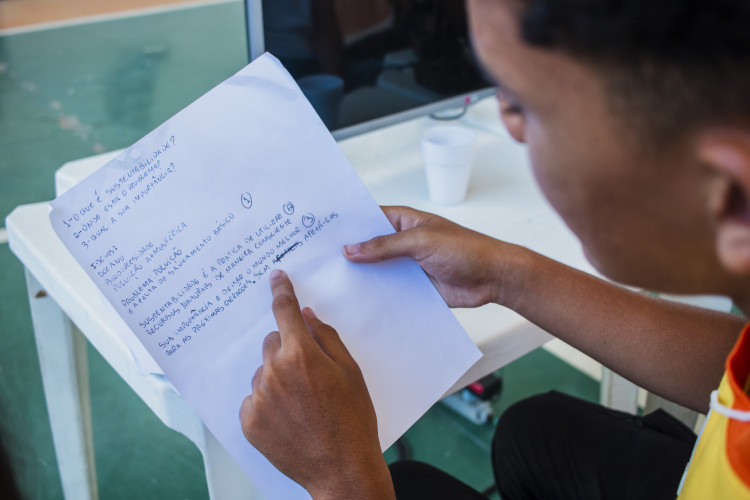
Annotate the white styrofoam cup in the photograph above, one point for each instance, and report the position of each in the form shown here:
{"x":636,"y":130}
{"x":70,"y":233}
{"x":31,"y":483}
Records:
{"x":448,"y":152}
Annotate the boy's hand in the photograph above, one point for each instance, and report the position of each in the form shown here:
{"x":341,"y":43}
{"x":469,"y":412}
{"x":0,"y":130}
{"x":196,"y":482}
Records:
{"x":310,"y":412}
{"x":469,"y":269}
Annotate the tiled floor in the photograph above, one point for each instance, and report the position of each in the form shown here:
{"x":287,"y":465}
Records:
{"x":70,"y":92}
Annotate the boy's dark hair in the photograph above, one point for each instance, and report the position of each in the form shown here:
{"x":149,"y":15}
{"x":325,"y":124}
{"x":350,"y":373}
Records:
{"x":669,"y":65}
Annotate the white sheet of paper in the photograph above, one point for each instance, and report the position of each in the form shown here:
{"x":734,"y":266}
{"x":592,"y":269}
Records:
{"x":181,"y":231}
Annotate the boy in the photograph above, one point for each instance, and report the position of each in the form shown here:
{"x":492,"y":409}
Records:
{"x":637,"y":119}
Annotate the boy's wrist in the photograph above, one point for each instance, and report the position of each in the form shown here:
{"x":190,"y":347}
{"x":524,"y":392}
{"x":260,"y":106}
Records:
{"x":370,"y":483}
{"x":511,"y":275}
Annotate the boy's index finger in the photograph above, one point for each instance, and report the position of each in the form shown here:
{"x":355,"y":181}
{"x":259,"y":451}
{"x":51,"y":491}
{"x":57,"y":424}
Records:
{"x":286,"y":309}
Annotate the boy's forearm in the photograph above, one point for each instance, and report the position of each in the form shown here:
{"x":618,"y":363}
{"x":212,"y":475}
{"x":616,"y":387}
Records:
{"x":673,"y":350}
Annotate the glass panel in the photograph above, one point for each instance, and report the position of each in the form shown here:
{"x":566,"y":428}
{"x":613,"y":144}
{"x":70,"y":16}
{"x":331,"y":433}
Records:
{"x":359,"y":60}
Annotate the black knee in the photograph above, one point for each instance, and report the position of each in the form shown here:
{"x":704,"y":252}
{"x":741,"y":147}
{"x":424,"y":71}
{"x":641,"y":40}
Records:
{"x":526,"y":418}
{"x":529,"y":442}
{"x":414,"y":480}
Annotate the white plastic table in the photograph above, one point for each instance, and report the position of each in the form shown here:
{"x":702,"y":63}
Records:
{"x":67,"y":308}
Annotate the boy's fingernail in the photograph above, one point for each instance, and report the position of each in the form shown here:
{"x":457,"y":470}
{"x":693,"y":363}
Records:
{"x":352,"y":249}
{"x":277,"y":273}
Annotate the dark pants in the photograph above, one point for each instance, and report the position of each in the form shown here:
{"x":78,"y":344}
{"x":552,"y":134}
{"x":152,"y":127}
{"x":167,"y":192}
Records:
{"x":554,"y":446}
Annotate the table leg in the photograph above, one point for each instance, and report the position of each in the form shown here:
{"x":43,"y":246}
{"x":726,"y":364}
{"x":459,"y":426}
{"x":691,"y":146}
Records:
{"x":64,"y":365}
{"x":225,"y":479}
{"x":617,"y":392}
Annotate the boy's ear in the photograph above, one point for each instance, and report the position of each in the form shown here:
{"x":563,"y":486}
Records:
{"x":726,"y":153}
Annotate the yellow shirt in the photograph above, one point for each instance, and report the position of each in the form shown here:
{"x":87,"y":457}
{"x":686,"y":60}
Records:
{"x":720,"y":465}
